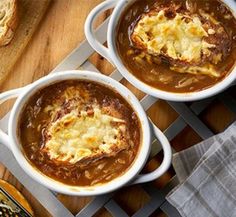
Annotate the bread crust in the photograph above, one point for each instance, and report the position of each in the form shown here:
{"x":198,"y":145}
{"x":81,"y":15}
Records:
{"x":11,"y":26}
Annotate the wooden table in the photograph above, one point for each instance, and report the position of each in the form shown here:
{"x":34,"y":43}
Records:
{"x":61,"y":31}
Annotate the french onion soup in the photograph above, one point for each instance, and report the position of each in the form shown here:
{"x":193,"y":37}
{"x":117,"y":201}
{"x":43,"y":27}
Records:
{"x":177,"y":45}
{"x":79,"y":132}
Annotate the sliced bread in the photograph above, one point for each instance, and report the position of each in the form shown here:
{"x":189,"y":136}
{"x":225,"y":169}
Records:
{"x":8,"y":20}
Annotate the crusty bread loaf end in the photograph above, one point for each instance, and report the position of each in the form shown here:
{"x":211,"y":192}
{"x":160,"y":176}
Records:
{"x":8,"y":20}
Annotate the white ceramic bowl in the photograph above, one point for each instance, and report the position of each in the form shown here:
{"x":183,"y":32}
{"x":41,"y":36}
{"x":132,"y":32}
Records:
{"x":132,"y":175}
{"x":111,"y":54}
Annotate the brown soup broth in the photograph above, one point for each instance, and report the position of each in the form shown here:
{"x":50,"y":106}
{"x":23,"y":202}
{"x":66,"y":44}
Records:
{"x":34,"y":120}
{"x":150,"y":73}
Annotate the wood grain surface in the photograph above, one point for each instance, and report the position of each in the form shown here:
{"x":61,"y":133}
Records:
{"x":30,"y":12}
{"x":60,"y":31}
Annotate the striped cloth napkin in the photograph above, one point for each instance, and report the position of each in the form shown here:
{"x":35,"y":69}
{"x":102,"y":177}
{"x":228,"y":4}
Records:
{"x":207,"y":175}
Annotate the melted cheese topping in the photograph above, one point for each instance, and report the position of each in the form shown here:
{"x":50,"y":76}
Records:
{"x":206,"y":69}
{"x":180,"y":38}
{"x":79,"y":136}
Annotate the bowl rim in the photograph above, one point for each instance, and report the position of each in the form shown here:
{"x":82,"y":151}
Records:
{"x":55,"y":185}
{"x":153,"y":91}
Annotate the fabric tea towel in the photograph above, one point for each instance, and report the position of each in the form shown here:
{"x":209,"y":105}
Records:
{"x":207,"y":173}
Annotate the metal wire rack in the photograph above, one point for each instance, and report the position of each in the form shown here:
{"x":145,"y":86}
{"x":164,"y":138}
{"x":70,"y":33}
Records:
{"x":188,"y":115}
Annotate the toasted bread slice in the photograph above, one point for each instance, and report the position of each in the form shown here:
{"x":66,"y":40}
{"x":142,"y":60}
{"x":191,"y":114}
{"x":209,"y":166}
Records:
{"x":181,"y":37}
{"x":8,"y":20}
{"x":85,"y":136}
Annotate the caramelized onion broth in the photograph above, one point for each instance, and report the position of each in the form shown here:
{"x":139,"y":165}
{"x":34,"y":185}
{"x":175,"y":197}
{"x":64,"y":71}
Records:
{"x":34,"y":121}
{"x":157,"y":73}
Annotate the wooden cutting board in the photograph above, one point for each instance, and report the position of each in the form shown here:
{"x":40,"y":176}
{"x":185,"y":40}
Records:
{"x":30,"y":14}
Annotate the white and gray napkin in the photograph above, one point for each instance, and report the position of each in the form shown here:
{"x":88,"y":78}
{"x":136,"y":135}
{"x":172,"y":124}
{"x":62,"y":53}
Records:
{"x":207,"y":175}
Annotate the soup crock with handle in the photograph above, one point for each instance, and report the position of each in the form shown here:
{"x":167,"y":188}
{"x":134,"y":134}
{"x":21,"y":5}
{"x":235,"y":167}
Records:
{"x":111,"y":53}
{"x":131,"y":176}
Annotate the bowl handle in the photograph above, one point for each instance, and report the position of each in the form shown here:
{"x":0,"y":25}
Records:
{"x":165,"y":163}
{"x":4,"y":138}
{"x":89,"y":31}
